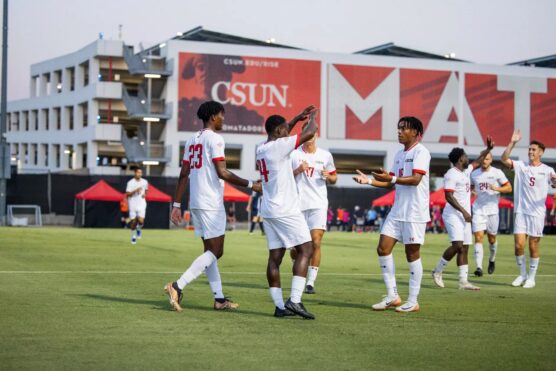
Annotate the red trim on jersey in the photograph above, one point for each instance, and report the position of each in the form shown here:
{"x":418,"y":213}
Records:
{"x":508,"y":182}
{"x":391,"y":173}
{"x":410,"y":148}
{"x":420,"y":171}
{"x":511,"y":163}
{"x":185,"y":163}
{"x":332,"y":172}
{"x":218,"y":159}
{"x":449,"y":190}
{"x":297,"y":141}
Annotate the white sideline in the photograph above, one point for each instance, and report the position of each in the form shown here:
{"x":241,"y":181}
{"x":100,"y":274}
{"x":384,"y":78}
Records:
{"x":232,"y":273}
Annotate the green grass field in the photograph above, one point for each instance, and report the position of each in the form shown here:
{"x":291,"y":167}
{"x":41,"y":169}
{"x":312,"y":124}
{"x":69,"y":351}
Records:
{"x":87,"y":299}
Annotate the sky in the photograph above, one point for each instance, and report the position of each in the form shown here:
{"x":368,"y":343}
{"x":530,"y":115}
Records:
{"x":481,"y":31}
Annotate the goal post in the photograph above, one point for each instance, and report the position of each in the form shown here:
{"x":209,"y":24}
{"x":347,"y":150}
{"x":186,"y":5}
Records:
{"x":24,"y":216}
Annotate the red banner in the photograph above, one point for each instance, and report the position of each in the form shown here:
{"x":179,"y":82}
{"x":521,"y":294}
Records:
{"x":250,"y":88}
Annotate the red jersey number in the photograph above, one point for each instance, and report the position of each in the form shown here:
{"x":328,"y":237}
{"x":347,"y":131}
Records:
{"x":261,"y":164}
{"x":309,"y":171}
{"x":532,"y":181}
{"x":196,"y":156}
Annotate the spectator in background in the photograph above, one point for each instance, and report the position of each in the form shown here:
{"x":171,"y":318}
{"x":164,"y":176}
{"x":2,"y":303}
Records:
{"x":329,"y":218}
{"x":254,"y":207}
{"x":437,"y":220}
{"x":124,"y":209}
{"x":340,"y":218}
{"x":371,"y":217}
{"x":231,"y":218}
{"x":358,"y":219}
{"x":346,"y":221}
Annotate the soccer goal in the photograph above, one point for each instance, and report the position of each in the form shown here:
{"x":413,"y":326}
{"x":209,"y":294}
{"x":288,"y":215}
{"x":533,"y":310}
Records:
{"x":24,"y":216}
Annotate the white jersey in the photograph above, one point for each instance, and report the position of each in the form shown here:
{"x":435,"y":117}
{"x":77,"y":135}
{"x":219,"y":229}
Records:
{"x":411,"y":203}
{"x":487,"y":199}
{"x":132,"y":185}
{"x":279,"y":189}
{"x":206,"y":190}
{"x":531,"y":187}
{"x":459,"y":183}
{"x":311,"y":186}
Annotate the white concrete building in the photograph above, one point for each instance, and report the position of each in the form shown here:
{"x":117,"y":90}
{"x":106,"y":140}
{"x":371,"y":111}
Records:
{"x":98,"y":109}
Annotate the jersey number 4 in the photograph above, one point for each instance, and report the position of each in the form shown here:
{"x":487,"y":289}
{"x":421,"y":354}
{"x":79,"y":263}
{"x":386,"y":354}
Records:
{"x":261,"y":164}
{"x":195,"y":156}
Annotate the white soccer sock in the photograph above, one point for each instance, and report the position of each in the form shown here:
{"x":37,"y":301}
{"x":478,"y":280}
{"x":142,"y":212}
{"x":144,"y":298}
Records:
{"x":463,"y":272}
{"x":276,"y":295}
{"x":389,"y":274}
{"x":312,"y":275}
{"x":521,"y":265}
{"x":442,"y":263}
{"x":196,"y":268}
{"x":533,"y":266}
{"x":479,"y":255}
{"x":415,"y":277}
{"x":298,"y":285}
{"x":213,"y":275}
{"x":492,"y":247}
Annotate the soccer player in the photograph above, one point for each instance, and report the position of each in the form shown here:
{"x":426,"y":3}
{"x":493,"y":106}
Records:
{"x":313,"y":169}
{"x":487,"y":182}
{"x":531,"y":187}
{"x":254,"y":207}
{"x":136,"y":191}
{"x":409,"y":215}
{"x":204,"y":166}
{"x":457,"y":214}
{"x":285,"y":226}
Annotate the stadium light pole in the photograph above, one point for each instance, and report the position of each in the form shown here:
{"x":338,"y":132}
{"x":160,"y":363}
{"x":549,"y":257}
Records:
{"x":4,"y":155}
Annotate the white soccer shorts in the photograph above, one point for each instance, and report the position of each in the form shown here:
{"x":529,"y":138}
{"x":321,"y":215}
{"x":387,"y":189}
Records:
{"x":406,"y":232}
{"x":458,"y":229}
{"x":288,"y":231}
{"x":487,"y":223}
{"x":209,"y":223}
{"x":315,"y":218}
{"x":531,"y":225}
{"x":138,"y":209}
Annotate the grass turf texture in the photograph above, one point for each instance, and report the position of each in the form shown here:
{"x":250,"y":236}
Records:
{"x":91,"y":300}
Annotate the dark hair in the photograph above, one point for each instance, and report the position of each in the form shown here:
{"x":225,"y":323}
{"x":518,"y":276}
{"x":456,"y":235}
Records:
{"x":137,"y":168}
{"x":541,"y":145}
{"x":455,"y":154}
{"x":208,"y":109}
{"x":413,"y":123}
{"x":273,"y":122}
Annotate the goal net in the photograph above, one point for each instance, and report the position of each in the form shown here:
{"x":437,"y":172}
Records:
{"x":24,"y":216}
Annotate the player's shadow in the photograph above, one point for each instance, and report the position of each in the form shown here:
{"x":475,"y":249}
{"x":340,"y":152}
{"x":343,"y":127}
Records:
{"x":330,"y":303}
{"x":247,"y":285}
{"x":475,"y":280}
{"x":163,"y":304}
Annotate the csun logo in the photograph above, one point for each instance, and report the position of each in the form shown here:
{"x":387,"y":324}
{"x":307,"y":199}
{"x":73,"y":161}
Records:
{"x":258,"y":95}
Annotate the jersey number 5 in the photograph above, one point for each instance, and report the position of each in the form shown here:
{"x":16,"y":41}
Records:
{"x":261,"y":164}
{"x":196,"y":156}
{"x":532,"y":181}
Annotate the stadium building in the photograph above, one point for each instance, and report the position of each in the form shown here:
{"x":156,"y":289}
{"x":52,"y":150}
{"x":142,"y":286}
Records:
{"x":106,"y":108}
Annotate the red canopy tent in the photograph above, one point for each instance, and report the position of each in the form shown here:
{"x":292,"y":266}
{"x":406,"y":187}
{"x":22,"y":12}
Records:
{"x":385,"y":200}
{"x":437,"y":198}
{"x":233,"y":195}
{"x":100,"y":191}
{"x":156,"y":195}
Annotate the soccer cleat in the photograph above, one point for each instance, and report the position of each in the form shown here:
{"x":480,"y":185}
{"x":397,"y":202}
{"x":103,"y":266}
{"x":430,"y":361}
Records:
{"x":283,"y":312}
{"x":224,"y":304}
{"x":138,"y":234}
{"x":491,"y":267}
{"x":387,"y":303}
{"x":133,"y":240}
{"x":518,"y":281}
{"x":478,"y":272}
{"x":299,"y":309}
{"x":468,"y":286}
{"x":174,"y":296}
{"x":529,"y":284}
{"x":309,"y":289}
{"x":408,"y":307}
{"x":437,"y":278}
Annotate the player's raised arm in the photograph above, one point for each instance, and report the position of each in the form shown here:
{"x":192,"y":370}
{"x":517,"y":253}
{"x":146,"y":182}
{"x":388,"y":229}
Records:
{"x":310,"y":130}
{"x":478,"y":161}
{"x":301,"y":117}
{"x":506,"y":161}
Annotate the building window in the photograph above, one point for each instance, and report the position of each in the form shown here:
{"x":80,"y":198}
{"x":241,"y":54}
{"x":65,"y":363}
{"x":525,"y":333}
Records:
{"x":36,"y":120}
{"x":58,"y":118}
{"x":69,"y":112}
{"x":26,"y":120}
{"x":44,"y":115}
{"x":84,"y":107}
{"x":347,"y":162}
{"x":48,"y":82}
{"x":71,"y":76}
{"x":58,"y":80}
{"x":85,"y":71}
{"x":233,"y":156}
